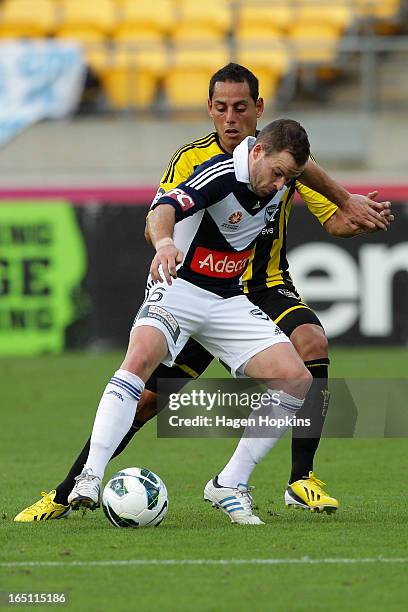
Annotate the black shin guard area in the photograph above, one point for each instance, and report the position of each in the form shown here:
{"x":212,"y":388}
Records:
{"x":66,"y":486}
{"x":305,"y":440}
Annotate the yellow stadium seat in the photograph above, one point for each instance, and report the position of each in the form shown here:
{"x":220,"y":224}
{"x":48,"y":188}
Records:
{"x":186,"y":82}
{"x":261,"y":32}
{"x":199,"y":35}
{"x":260,"y":47}
{"x":130,"y":78}
{"x":158,"y":15}
{"x":99,"y":58}
{"x":209,"y":13}
{"x":268,"y":63}
{"x":134,"y":34}
{"x":100,"y":15}
{"x":27,"y":18}
{"x":313,"y":43}
{"x":337,"y":15}
{"x":278,"y":16}
{"x":87,"y":38}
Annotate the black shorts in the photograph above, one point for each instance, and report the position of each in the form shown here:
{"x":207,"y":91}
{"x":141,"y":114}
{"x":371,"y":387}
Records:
{"x":282,"y":303}
{"x":285,"y":306}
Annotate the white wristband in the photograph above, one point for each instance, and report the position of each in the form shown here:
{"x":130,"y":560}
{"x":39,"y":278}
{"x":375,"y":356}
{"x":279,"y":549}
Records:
{"x":164,"y":242}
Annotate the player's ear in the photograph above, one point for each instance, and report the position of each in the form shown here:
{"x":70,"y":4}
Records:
{"x":257,"y":150}
{"x":260,"y":107}
{"x":209,"y":107}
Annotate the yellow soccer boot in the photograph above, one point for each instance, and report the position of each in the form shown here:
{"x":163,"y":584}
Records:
{"x":43,"y":510}
{"x":309,"y":494}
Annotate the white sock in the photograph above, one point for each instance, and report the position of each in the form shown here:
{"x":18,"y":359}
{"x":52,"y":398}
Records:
{"x":251,"y":449}
{"x":113,"y":419}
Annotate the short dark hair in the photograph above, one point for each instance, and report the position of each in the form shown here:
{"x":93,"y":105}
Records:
{"x":286,"y":135}
{"x":236,"y":74}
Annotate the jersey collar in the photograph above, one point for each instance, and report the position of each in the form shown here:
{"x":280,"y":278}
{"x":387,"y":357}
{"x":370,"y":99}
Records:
{"x":240,"y":155}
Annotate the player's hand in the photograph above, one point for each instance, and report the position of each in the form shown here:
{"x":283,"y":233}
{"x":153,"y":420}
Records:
{"x":167,"y":257}
{"x":365,"y":213}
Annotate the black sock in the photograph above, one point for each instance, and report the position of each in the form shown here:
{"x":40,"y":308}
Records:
{"x":305,"y":440}
{"x":66,"y":486}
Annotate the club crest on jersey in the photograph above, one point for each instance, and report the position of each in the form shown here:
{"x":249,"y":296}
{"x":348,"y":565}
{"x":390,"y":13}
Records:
{"x":288,"y":293}
{"x":220,"y":264}
{"x":259,"y":314}
{"x":270,"y":212}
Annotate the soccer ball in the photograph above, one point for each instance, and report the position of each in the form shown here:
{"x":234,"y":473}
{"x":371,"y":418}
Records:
{"x":135,"y":497}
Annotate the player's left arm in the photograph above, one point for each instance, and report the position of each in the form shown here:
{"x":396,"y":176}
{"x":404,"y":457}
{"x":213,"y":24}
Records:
{"x":359,"y":211}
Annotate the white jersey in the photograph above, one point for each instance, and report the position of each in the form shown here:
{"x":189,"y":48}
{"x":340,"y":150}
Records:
{"x":218,"y":220}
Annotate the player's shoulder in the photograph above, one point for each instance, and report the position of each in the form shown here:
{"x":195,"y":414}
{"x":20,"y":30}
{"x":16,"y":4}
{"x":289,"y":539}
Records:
{"x":216,"y":173}
{"x":206,"y":142}
{"x":220,"y":160}
{"x":192,"y":154}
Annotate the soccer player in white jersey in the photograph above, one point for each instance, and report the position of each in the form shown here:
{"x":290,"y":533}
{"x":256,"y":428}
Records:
{"x":255,"y":178}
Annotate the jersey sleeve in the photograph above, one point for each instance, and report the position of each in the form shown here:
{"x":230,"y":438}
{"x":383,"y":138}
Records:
{"x":318,"y":205}
{"x":180,"y":167}
{"x":209,"y":184}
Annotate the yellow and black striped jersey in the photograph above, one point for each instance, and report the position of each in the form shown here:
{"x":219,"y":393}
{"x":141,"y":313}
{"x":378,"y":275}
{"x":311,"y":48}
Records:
{"x":268,"y":265}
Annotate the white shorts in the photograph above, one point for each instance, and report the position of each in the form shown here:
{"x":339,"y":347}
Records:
{"x":232,"y":329}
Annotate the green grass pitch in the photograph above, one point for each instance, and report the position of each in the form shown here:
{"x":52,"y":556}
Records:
{"x":48,"y":406}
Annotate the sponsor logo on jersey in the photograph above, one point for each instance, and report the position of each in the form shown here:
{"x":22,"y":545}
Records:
{"x":235,"y":217}
{"x":232,"y":223}
{"x":183,"y":198}
{"x":162,"y":315}
{"x":259,"y":314}
{"x":219,"y":264}
{"x":288,"y":293}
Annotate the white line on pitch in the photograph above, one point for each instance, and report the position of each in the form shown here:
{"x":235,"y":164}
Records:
{"x":113,"y":562}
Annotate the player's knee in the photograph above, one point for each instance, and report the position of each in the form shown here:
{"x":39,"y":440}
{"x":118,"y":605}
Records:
{"x":295,"y":378}
{"x":139,"y":362}
{"x":314,"y":346}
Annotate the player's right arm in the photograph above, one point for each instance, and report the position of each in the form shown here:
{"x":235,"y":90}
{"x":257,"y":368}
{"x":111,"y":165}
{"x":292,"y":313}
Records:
{"x":180,"y":167}
{"x":167,"y":255}
{"x":206,"y":186}
{"x":335,"y":221}
{"x":171,"y":204}
{"x":339,"y":225}
{"x":361,"y":212}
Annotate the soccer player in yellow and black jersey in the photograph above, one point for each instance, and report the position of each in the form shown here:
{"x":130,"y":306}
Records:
{"x":235,"y":106}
